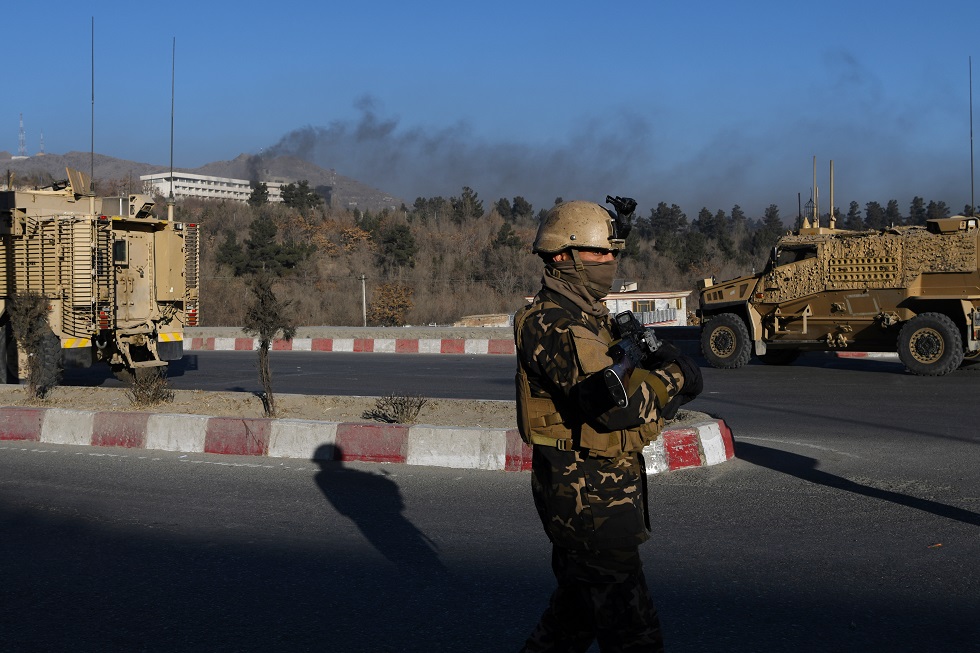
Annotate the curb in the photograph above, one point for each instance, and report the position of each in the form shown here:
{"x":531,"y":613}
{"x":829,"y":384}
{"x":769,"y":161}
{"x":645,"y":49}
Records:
{"x":425,"y":346}
{"x":697,"y":445}
{"x":366,"y":345}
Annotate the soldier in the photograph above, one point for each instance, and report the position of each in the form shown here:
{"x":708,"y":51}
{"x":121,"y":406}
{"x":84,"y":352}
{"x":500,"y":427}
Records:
{"x":588,"y":475}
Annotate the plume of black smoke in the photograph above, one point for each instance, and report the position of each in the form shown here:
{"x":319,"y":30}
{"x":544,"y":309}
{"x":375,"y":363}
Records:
{"x":601,"y":157}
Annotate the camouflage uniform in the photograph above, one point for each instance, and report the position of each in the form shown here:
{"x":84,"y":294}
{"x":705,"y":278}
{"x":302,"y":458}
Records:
{"x":588,"y":476}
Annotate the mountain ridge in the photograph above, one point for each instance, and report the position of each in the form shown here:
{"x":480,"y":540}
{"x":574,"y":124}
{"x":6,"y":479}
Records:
{"x":345,"y":191}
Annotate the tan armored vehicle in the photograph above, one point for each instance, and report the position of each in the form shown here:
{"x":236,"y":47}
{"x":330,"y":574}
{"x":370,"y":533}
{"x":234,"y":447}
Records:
{"x":121,"y":284}
{"x":914,"y":290}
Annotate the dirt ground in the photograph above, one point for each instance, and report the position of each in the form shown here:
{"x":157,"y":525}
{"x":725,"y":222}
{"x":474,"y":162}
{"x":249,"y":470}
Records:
{"x":436,"y":412}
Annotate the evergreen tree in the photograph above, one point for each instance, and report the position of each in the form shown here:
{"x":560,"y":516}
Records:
{"x":396,"y":248}
{"x":230,"y":253}
{"x":705,"y":222}
{"x":506,"y":237}
{"x":504,"y":209}
{"x":853,"y":220}
{"x":770,"y":232}
{"x":667,"y":224}
{"x":522,"y":208}
{"x":874,"y":216}
{"x":260,"y":194}
{"x":300,"y":196}
{"x":917,"y":211}
{"x":466,"y":206}
{"x":893,"y":216}
{"x":936,"y":210}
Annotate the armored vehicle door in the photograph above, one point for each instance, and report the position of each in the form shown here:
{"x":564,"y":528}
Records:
{"x":132,"y":250}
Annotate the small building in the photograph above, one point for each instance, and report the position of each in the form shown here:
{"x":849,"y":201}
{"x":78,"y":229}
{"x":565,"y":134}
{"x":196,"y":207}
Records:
{"x":186,"y":184}
{"x":662,"y":308}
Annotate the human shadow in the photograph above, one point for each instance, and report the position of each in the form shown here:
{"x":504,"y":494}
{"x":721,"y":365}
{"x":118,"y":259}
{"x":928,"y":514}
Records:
{"x":805,"y":468}
{"x":374,"y":503}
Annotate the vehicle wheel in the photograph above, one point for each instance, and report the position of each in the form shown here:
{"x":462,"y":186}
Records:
{"x":123,"y":373}
{"x":8,"y":349}
{"x":129,"y":376}
{"x":725,"y":341}
{"x":930,"y":345}
{"x":780,"y":356}
{"x":970,"y":360}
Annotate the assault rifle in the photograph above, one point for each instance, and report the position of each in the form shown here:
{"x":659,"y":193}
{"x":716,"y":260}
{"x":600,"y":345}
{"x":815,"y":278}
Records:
{"x":636,"y":344}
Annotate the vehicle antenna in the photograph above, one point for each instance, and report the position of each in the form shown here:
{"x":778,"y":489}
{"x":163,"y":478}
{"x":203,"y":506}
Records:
{"x":91,"y":168}
{"x":173,"y":69}
{"x":973,"y":203}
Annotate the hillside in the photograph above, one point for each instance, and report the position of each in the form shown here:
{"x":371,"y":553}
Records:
{"x":347,"y":192}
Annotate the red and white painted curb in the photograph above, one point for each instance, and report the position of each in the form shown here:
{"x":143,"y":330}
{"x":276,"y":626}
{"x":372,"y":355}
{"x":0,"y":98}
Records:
{"x":696,"y":445}
{"x":367,"y":345}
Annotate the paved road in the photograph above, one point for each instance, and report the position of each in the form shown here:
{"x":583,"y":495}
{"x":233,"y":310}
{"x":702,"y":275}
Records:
{"x":849,"y":522}
{"x":779,"y":551}
{"x":294,"y":372}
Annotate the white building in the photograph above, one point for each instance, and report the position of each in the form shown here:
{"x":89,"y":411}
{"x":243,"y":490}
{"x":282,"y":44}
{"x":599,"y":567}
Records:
{"x":667,"y":308}
{"x":186,"y":184}
{"x":664,"y":308}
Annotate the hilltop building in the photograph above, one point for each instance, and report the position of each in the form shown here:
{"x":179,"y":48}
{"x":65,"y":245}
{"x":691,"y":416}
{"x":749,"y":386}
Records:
{"x":660,"y":308}
{"x":186,"y":184}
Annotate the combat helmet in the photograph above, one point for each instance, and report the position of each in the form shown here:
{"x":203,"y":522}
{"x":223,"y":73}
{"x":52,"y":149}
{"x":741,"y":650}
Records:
{"x":578,"y":224}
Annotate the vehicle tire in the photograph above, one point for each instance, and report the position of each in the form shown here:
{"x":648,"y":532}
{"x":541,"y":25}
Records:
{"x":8,"y":353}
{"x":725,"y":341}
{"x":971,"y":360}
{"x":780,"y":356}
{"x":930,"y":345}
{"x":123,"y":373}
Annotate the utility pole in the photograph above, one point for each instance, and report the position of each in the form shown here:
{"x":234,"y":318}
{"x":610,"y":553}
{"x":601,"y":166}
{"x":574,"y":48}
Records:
{"x":363,"y":298}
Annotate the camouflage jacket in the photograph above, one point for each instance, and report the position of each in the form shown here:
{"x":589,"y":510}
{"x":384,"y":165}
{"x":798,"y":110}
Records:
{"x":562,"y":401}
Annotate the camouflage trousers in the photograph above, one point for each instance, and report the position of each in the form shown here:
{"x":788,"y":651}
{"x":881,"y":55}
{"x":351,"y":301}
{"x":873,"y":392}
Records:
{"x":594,"y":512}
{"x":601,"y":595}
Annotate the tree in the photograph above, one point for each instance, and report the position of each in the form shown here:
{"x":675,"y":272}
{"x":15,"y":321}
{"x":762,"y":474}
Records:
{"x":466,"y":206}
{"x":936,"y":210}
{"x":390,"y":304}
{"x":230,"y":253}
{"x":853,"y":220}
{"x":667,"y":223}
{"x":522,"y":209}
{"x":300,"y":196}
{"x":693,"y":253}
{"x":917,"y":211}
{"x":396,"y":247}
{"x":874,"y":216}
{"x":265,"y":316}
{"x":504,"y":209}
{"x":29,"y":323}
{"x":260,"y":194}
{"x":506,"y":237}
{"x":705,"y":222}
{"x":893,"y":216}
{"x":723,"y":236}
{"x":771,"y":230}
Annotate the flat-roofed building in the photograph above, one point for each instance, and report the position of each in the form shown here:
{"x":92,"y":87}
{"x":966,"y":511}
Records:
{"x":187,"y":184}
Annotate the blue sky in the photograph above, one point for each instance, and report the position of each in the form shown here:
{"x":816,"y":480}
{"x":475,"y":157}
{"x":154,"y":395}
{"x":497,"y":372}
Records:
{"x":695,"y":103}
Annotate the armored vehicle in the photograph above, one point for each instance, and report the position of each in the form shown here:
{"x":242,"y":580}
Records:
{"x":911,"y":289}
{"x":121,"y":283}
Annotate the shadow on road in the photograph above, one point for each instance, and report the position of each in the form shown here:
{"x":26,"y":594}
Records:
{"x":374,"y":503}
{"x":805,"y":468}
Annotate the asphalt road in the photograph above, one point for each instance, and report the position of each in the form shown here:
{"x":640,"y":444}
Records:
{"x":850,"y":521}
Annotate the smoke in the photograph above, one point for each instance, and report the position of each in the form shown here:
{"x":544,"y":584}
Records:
{"x":746,"y":158}
{"x":600,"y":157}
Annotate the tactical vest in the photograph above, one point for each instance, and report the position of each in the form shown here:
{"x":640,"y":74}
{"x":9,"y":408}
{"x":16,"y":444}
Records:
{"x":538,"y":418}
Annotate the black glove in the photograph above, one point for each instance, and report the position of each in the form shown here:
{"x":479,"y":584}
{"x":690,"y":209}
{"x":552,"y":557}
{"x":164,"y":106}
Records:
{"x":693,"y":381}
{"x":693,"y":385}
